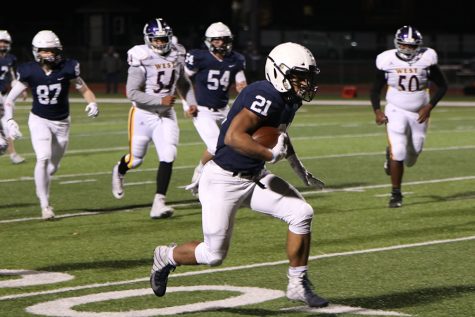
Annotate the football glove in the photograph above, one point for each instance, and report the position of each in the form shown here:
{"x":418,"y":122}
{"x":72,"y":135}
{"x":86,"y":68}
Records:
{"x":92,"y":110}
{"x":280,"y":149}
{"x":13,"y":129}
{"x":307,"y":178}
{"x":3,"y":144}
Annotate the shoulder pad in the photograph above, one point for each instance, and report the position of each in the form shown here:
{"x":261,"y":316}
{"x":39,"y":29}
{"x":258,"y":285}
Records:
{"x":137,"y":54}
{"x":385,"y":58}
{"x":431,"y":55}
{"x":180,"y":48}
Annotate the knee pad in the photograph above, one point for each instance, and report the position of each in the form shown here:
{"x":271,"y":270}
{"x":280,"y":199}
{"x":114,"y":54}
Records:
{"x":134,"y":162}
{"x":168,"y":154}
{"x":205,"y":256}
{"x":301,"y":221}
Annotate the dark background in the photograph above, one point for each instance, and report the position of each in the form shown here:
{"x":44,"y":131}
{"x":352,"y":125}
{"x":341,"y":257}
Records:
{"x":345,"y":35}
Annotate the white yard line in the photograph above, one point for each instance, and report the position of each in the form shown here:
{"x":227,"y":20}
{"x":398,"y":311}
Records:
{"x":307,"y":193}
{"x":319,"y":102}
{"x":240,"y":267}
{"x":30,"y":178}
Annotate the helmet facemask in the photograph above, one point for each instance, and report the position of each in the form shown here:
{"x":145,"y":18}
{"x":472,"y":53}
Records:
{"x":158,"y":29}
{"x":4,"y":47}
{"x":304,"y":82}
{"x":224,"y":49}
{"x":408,"y":42}
{"x":50,"y":60}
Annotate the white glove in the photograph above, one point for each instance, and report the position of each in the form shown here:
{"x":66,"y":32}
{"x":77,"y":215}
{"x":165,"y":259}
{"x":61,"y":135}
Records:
{"x":92,"y":110}
{"x":280,"y":149}
{"x":13,"y":129}
{"x":3,"y":144}
{"x":307,"y":178}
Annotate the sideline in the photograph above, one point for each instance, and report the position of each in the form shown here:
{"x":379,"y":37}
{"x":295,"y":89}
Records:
{"x":241,"y":267}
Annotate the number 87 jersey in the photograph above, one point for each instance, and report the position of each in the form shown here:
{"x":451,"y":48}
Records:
{"x":407,"y":80}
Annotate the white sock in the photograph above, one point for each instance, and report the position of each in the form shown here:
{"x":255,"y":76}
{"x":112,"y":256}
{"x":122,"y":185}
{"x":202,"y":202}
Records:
{"x":171,"y":260}
{"x":297,"y":271}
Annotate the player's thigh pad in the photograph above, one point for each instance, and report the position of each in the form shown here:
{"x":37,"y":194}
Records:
{"x":281,"y":200}
{"x":220,"y":195}
{"x":41,"y":137}
{"x":165,"y":137}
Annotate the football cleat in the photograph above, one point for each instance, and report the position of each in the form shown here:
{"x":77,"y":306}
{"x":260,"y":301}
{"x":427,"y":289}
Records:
{"x":161,"y":269}
{"x":117,"y":183}
{"x":387,"y":166}
{"x":301,"y":289}
{"x":47,"y":213}
{"x":16,"y":158}
{"x":396,"y":200}
{"x":159,"y":208}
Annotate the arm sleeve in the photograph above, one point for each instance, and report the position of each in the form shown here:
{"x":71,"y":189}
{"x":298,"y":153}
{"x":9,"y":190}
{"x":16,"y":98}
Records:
{"x":185,"y":88}
{"x":378,"y":85}
{"x":135,"y":82}
{"x":436,"y":75}
{"x":9,"y":103}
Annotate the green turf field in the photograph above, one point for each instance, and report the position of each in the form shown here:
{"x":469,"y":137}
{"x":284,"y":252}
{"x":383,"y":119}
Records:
{"x":418,"y":260}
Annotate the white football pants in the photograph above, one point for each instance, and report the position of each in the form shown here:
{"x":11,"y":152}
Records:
{"x":144,"y":127}
{"x":49,"y":139}
{"x":208,"y":123}
{"x":406,"y":135}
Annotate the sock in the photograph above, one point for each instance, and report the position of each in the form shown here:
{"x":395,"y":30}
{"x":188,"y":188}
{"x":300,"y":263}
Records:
{"x":171,"y":260}
{"x":123,"y":168}
{"x":396,"y":191}
{"x":297,"y":271}
{"x":164,"y":174}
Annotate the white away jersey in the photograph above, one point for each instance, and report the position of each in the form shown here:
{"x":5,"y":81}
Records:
{"x":407,"y":80}
{"x":161,"y":72}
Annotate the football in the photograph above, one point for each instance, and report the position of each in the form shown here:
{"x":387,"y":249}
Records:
{"x":266,"y":136}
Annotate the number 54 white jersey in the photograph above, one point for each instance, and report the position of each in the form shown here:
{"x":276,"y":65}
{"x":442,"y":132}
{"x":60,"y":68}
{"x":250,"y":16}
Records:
{"x":407,"y":80}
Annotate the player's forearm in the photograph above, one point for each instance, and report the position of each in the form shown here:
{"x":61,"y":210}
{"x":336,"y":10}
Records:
{"x":436,"y":75}
{"x":9,"y":103}
{"x":375,"y":93}
{"x":185,"y":90}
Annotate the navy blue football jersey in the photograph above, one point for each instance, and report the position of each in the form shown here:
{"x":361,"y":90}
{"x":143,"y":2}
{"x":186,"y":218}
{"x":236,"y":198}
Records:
{"x":7,"y":63}
{"x":212,"y":78}
{"x":270,"y":105}
{"x":50,"y":92}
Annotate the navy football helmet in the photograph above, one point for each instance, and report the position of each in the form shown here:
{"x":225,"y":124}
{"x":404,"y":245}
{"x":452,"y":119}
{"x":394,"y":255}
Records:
{"x":408,"y":42}
{"x":158,"y":29}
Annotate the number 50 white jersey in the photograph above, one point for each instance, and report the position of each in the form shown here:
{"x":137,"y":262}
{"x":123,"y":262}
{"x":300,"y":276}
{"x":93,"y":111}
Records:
{"x":407,"y":80}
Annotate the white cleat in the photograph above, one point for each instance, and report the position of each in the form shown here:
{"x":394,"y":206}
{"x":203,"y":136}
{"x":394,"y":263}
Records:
{"x":160,"y":209}
{"x":16,"y":158}
{"x":47,"y":213}
{"x":301,"y":289}
{"x":117,"y":183}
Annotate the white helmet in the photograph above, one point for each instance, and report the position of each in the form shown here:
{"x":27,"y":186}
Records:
{"x":5,"y":37}
{"x":219,"y":30}
{"x":47,"y":40}
{"x":290,"y":64}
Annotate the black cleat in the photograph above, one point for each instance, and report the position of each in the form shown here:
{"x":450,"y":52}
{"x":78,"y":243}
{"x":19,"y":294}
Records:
{"x":160,"y":270}
{"x":395,"y":201}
